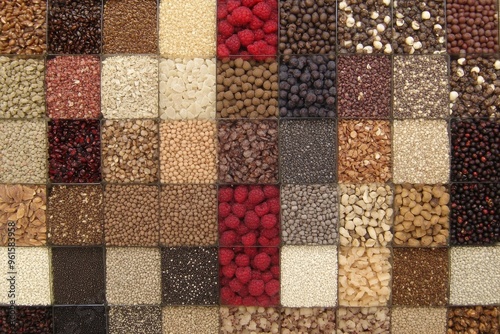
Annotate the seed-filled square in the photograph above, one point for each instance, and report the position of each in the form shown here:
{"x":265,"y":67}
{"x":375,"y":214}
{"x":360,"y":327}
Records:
{"x":248,"y":151}
{"x":354,"y":320}
{"x":22,"y":212}
{"x":189,"y":276}
{"x":421,"y":87}
{"x":134,"y":319}
{"x":474,"y":273}
{"x":24,"y":151}
{"x":266,"y":320}
{"x":309,"y":276}
{"x":474,"y":318}
{"x":364,"y":276}
{"x":302,"y":320}
{"x":187,"y":88}
{"x":475,"y":152}
{"x":191,"y":319}
{"x":364,"y":86}
{"x":249,"y":215}
{"x":74,"y":27}
{"x":249,"y":276}
{"x":83,"y":319}
{"x":421,"y":151}
{"x":74,"y":151}
{"x":409,"y":320}
{"x":130,"y":151}
{"x":78,"y":275}
{"x":420,"y":276}
{"x":475,"y":219}
{"x":472,"y":71}
{"x":131,"y":215}
{"x":73,"y":87}
{"x":22,"y":93}
{"x":364,"y":27}
{"x":309,"y":214}
{"x":307,"y":86}
{"x":36,"y":320}
{"x":188,"y":151}
{"x":307,"y":27}
{"x":188,"y":215}
{"x":365,"y":215}
{"x":307,"y":151}
{"x":419,"y":27}
{"x":247,"y":88}
{"x":129,"y":87}
{"x":364,"y":151}
{"x":421,"y":215}
{"x":130,"y":27}
{"x":133,"y":276}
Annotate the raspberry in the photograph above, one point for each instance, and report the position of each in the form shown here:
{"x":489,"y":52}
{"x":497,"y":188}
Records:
{"x":272,"y":3}
{"x":221,"y":12}
{"x":237,"y":300}
{"x":252,"y":220}
{"x":275,"y":270}
{"x":244,"y":274}
{"x":263,"y":241}
{"x":272,"y":287}
{"x":240,"y":194}
{"x":274,"y":205}
{"x":224,"y":210}
{"x":275,"y":241}
{"x":225,"y":29}
{"x":235,"y":285}
{"x":226,"y":294}
{"x":256,"y":196}
{"x":242,"y":229}
{"x":271,"y":39}
{"x":244,"y":55}
{"x":256,"y":287}
{"x":270,"y":27}
{"x":233,"y":43}
{"x":225,"y":194}
{"x":229,"y":270}
{"x":262,"y":10}
{"x":243,"y":291}
{"x":240,"y":16}
{"x":242,"y":260}
{"x":239,"y":210}
{"x":232,"y":5}
{"x":246,"y":37}
{"x":267,"y":276}
{"x":226,"y":255}
{"x":228,"y":238}
{"x":263,"y":300}
{"x":249,"y":301}
{"x":249,"y":3}
{"x":262,"y":209}
{"x":256,"y":23}
{"x":270,"y":250}
{"x":249,"y":239}
{"x":268,"y":221}
{"x":275,"y":259}
{"x":270,"y":233}
{"x":251,"y":251}
{"x":259,"y":36}
{"x":232,"y":222}
{"x":256,"y":274}
{"x":262,"y":261}
{"x":271,"y":191}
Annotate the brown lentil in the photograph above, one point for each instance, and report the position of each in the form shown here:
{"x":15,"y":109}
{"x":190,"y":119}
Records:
{"x":474,"y":319}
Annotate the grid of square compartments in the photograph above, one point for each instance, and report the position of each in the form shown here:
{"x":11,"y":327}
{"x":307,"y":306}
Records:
{"x":233,"y":166}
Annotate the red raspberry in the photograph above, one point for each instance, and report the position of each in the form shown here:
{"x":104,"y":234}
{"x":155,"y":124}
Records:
{"x":275,"y":259}
{"x":267,"y":276}
{"x":262,"y":10}
{"x":268,"y":221}
{"x":271,"y":39}
{"x":272,"y":287}
{"x":226,"y":255}
{"x":244,"y":55}
{"x":228,"y":238}
{"x":256,"y":23}
{"x":225,"y":194}
{"x":256,"y":287}
{"x":249,"y":239}
{"x":252,"y":220}
{"x":229,"y":270}
{"x":262,"y":209}
{"x":232,"y":5}
{"x":246,"y":37}
{"x":271,"y":191}
{"x":226,"y":294}
{"x":270,"y":250}
{"x":225,"y":29}
{"x":263,"y":241}
{"x":233,"y":43}
{"x":270,"y":233}
{"x":235,"y":285}
{"x":251,"y":251}
{"x":240,"y":194}
{"x":263,"y":300}
{"x":237,"y":300}
{"x":256,"y":196}
{"x":243,"y":291}
{"x":232,"y":221}
{"x":221,"y":12}
{"x":259,"y":36}
{"x":239,"y":210}
{"x":262,"y":261}
{"x":275,"y":241}
{"x":272,"y":3}
{"x":224,"y":281}
{"x":224,"y":210}
{"x":249,"y":301}
{"x":256,"y":274}
{"x":244,"y":274}
{"x":242,"y":229}
{"x":249,"y":3}
{"x":274,"y":205}
{"x":276,"y":271}
{"x":242,"y":260}
{"x":270,"y":27}
{"x":240,"y":16}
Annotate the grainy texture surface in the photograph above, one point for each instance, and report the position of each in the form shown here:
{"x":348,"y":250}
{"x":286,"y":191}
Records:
{"x":84,"y":319}
{"x":409,"y":320}
{"x":249,"y":319}
{"x":191,"y":319}
{"x":365,"y":320}
{"x":482,"y":319}
{"x":35,"y":320}
{"x":313,"y":320}
{"x":135,"y":319}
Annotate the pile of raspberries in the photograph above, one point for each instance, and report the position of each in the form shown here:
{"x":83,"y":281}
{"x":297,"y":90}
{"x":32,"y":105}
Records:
{"x":247,"y":28}
{"x":249,"y":276}
{"x":249,"y":216}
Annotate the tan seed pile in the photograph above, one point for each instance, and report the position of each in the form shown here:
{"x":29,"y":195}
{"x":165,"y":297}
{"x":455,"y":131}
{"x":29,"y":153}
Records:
{"x":364,"y":276}
{"x":187,"y":88}
{"x":187,"y":28}
{"x":188,"y":215}
{"x":131,"y":215}
{"x":190,"y":319}
{"x":247,"y":88}
{"x":25,"y":206}
{"x":366,"y":320}
{"x":24,"y":151}
{"x":249,"y":319}
{"x":133,"y":276}
{"x":417,"y":320}
{"x":421,"y":151}
{"x":364,"y":151}
{"x":311,"y":320}
{"x":188,"y":151}
{"x":421,"y":215}
{"x":365,"y":215}
{"x":130,"y":150}
{"x":21,"y":87}
{"x":135,"y":319}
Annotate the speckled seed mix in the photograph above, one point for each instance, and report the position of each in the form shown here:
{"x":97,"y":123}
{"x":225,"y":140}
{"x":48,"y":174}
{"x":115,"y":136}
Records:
{"x":309,"y":214}
{"x":135,"y":319}
{"x":475,"y":319}
{"x":31,"y":319}
{"x":373,"y":320}
{"x":249,"y":319}
{"x":190,"y":319}
{"x":313,"y":320}
{"x":421,"y":87}
{"x":84,"y":319}
{"x":247,"y":88}
{"x":408,"y":320}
